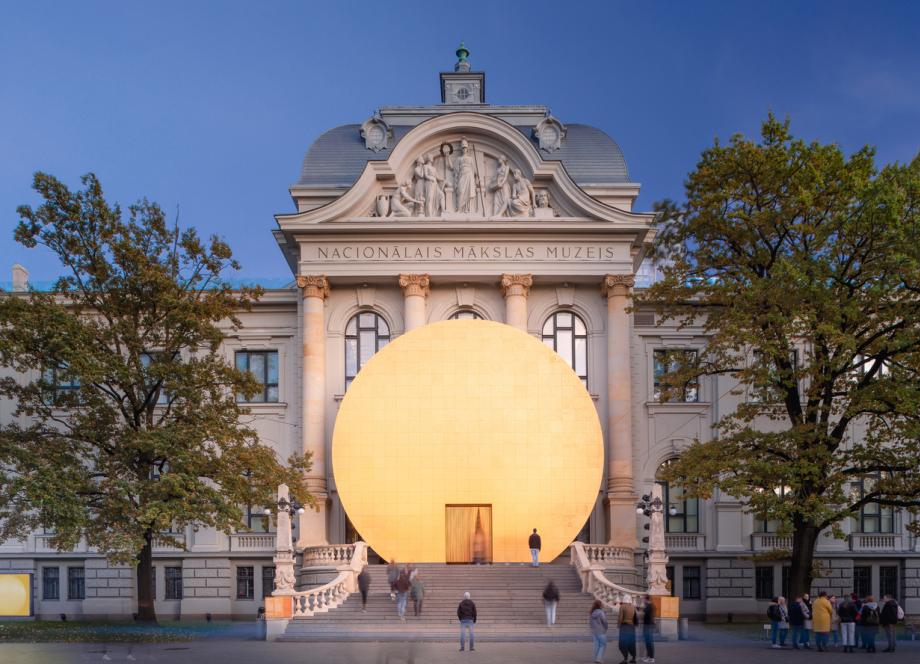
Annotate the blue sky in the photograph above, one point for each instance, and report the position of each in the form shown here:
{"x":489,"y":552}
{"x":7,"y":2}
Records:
{"x":211,"y":106}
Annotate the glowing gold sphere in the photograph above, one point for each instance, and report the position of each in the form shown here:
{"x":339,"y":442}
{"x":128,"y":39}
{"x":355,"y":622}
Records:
{"x":467,"y":413}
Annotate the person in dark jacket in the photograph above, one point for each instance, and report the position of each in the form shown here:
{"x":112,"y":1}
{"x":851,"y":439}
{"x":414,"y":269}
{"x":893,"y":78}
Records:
{"x":847,"y":611}
{"x":598,"y":623}
{"x":418,"y":592}
{"x":466,"y":614}
{"x":868,"y":622}
{"x":402,"y":594}
{"x":779,"y":623}
{"x":648,"y":630}
{"x":797,"y":622}
{"x":534,"y":543}
{"x":888,"y":619}
{"x":364,"y":583}
{"x":550,"y":601}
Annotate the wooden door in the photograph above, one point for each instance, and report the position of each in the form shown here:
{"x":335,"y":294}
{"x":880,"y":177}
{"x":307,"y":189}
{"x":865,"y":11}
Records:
{"x":469,"y":533}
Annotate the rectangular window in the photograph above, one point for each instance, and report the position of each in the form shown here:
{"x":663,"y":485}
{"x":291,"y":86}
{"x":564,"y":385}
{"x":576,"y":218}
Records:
{"x":763,"y":582}
{"x":76,"y":587}
{"x":62,"y":386}
{"x":668,"y":361}
{"x":173,"y":582}
{"x":263,"y":365}
{"x":669,"y":570}
{"x":257,"y":521}
{"x":873,"y":517}
{"x":862,"y":580}
{"x":692,"y":576}
{"x":51,"y":588}
{"x":784,"y":589}
{"x":686,"y":516}
{"x":245,"y":587}
{"x":268,"y":580}
{"x":146,"y":360}
{"x":888,"y":581}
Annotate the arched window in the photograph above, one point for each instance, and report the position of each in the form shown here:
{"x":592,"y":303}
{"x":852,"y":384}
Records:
{"x":682,"y":514}
{"x":365,"y":334}
{"x":467,"y":314}
{"x":566,"y":334}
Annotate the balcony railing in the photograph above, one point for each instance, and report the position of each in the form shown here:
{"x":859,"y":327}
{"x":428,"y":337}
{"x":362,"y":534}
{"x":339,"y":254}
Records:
{"x":770,"y":542}
{"x":252,"y":542}
{"x":609,"y":556}
{"x":875,"y":542}
{"x":685,"y":542}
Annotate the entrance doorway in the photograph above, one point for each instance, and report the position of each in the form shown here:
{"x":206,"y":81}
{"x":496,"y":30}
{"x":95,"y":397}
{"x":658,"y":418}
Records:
{"x":469,"y":533}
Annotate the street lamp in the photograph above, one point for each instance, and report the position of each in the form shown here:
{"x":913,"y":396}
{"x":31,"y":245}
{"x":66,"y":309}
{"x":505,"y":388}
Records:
{"x":648,"y":505}
{"x":292,"y":507}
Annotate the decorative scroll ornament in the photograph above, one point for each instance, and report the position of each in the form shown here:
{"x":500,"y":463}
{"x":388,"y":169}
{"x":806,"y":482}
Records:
{"x":414,"y":284}
{"x":376,"y":133}
{"x":313,"y":285}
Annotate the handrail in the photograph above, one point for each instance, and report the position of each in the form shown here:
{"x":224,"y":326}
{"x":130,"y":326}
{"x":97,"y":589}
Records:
{"x":306,"y":603}
{"x":593,"y":580}
{"x":327,"y":555}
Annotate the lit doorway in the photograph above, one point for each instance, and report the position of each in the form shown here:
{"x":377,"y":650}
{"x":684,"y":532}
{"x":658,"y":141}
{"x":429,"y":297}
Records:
{"x":469,"y":533}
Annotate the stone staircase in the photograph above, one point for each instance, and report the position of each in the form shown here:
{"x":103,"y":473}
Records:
{"x":508,"y":600}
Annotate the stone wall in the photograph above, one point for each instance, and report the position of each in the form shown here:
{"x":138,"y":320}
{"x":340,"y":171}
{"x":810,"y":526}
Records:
{"x":835,"y":577}
{"x":729,"y":577}
{"x":912,"y":586}
{"x":206,"y":587}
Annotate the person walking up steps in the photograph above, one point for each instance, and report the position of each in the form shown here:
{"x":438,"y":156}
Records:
{"x":418,"y":592}
{"x":402,"y":594}
{"x":550,"y":601}
{"x":392,"y":576}
{"x":534,"y":543}
{"x":598,"y":623}
{"x":364,"y":583}
{"x":466,"y":614}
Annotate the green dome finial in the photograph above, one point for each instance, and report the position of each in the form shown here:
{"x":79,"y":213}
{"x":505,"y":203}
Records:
{"x":462,"y":53}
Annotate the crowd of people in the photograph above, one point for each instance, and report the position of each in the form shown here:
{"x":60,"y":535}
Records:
{"x":848,"y":622}
{"x":630,"y":617}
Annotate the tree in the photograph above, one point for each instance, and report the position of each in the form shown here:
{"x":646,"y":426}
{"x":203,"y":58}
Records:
{"x":802,"y":267}
{"x":133,"y":427}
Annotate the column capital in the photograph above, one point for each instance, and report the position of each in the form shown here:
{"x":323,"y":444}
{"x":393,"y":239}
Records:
{"x":313,"y":285}
{"x":414,"y":284}
{"x":516,"y":284}
{"x":617,"y":284}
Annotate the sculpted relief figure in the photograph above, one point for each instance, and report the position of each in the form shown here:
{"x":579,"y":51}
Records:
{"x":522,"y":196}
{"x":465,"y":175}
{"x":434,"y":196}
{"x":400,"y":201}
{"x":418,"y":190}
{"x":501,"y":188}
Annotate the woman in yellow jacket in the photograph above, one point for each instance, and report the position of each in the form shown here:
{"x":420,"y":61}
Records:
{"x":821,"y":614}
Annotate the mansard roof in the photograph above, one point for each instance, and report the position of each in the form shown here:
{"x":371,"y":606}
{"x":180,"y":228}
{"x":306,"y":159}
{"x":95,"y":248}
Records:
{"x":338,"y":156}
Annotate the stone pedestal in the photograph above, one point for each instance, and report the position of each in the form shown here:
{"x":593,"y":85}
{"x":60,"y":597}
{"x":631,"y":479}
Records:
{"x":515,"y":288}
{"x":667,"y":612}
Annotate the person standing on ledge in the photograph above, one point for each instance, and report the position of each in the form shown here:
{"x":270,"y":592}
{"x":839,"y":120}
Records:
{"x":534,"y":544}
{"x":466,"y":613}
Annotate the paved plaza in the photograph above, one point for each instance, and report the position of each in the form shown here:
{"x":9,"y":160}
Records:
{"x":713,"y":647}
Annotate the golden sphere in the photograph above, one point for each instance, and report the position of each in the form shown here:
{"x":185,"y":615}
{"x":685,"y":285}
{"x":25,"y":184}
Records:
{"x":467,"y":421}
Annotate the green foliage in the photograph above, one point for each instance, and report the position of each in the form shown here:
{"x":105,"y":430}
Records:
{"x":802,"y":267}
{"x":150,"y":437}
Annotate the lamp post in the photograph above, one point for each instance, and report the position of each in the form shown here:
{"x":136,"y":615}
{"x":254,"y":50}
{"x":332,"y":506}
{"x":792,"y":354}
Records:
{"x":287,"y":507}
{"x":653,"y":507}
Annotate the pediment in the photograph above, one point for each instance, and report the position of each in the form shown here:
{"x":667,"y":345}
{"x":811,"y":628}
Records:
{"x":463,"y":167}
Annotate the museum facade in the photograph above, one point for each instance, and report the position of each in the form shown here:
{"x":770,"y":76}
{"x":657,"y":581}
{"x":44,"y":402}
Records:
{"x":467,"y":210}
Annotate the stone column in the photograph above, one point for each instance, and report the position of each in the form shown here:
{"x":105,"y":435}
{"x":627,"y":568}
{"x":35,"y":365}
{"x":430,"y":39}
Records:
{"x":515,"y":288}
{"x":315,"y":290}
{"x":415,"y":292}
{"x":621,"y":493}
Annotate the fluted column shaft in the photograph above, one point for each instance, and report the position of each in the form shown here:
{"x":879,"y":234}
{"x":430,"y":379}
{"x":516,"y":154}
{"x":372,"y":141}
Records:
{"x":315,"y":289}
{"x":620,"y":485}
{"x":515,"y":288}
{"x":415,"y":293}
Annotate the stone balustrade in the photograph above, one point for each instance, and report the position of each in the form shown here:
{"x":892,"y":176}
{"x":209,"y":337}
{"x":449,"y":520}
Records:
{"x":770,"y":542}
{"x":875,"y":542}
{"x":593,"y":580}
{"x":610,"y":556}
{"x":306,"y":603}
{"x":685,"y":542}
{"x":330,"y":555}
{"x":252,"y":542}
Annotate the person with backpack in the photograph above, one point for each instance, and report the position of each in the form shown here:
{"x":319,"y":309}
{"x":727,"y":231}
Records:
{"x":847,"y":612}
{"x":868,"y":622}
{"x":889,"y":616}
{"x":775,"y":616}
